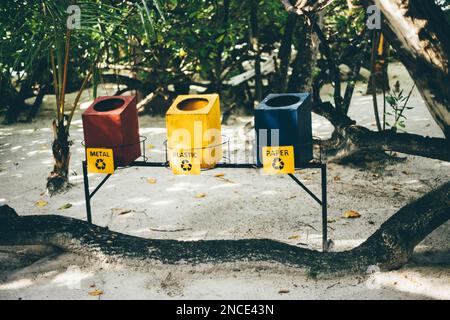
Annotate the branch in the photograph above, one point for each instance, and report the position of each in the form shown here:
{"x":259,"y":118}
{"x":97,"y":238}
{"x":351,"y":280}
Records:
{"x":361,"y":46}
{"x":326,"y":110}
{"x":121,"y":67}
{"x":306,"y":6}
{"x":334,"y":70}
{"x":359,"y":138}
{"x":355,"y":138}
{"x":389,"y":247}
{"x":131,"y":83}
{"x":149,"y":98}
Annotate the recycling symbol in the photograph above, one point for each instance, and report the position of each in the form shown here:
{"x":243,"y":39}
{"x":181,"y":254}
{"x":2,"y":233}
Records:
{"x":100,"y":164}
{"x":277,"y":164}
{"x":186,"y":165}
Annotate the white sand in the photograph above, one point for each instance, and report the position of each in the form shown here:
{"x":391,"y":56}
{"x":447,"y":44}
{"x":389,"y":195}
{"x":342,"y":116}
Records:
{"x":250,"y":205}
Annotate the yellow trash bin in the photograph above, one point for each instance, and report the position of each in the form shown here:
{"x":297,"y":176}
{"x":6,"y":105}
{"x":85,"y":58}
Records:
{"x":193,"y":126}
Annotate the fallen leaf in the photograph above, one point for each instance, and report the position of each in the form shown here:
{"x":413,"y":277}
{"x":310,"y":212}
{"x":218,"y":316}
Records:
{"x":395,"y":189}
{"x":351,"y":214}
{"x":337,"y":178}
{"x":331,"y":220}
{"x":120,"y":211}
{"x":221,"y":177}
{"x":294,"y":237}
{"x":96,"y":293}
{"x":151,"y":180}
{"x":283,"y":291}
{"x":65,"y":206}
{"x":200,"y":195}
{"x":41,"y":203}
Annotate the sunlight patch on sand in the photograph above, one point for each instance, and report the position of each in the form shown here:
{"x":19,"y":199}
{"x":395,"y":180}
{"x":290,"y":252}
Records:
{"x":224,"y":185}
{"x":85,"y":105}
{"x":183,"y":186}
{"x":413,"y":282}
{"x":139,"y":200}
{"x":17,"y":284}
{"x":162,"y":202}
{"x":16,"y":148}
{"x":71,"y":278}
{"x":347,"y":244}
{"x":152,"y":131}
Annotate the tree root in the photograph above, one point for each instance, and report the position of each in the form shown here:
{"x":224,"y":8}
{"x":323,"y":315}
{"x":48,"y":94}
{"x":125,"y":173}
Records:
{"x":57,"y":183}
{"x":389,"y":248}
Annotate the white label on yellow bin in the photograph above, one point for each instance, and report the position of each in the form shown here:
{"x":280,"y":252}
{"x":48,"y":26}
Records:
{"x":278,"y":160}
{"x":185,"y":162}
{"x":100,"y":160}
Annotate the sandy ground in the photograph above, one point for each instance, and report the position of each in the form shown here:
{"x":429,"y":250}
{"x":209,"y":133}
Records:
{"x":241,"y":204}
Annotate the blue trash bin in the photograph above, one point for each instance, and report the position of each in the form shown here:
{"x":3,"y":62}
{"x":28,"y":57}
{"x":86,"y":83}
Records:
{"x":290,"y":114}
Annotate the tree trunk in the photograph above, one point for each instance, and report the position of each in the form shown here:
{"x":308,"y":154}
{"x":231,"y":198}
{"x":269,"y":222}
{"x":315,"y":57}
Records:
{"x":58,"y":180}
{"x":354,"y":139}
{"x":254,"y":41}
{"x":284,"y":54}
{"x":348,"y":139}
{"x":389,"y":247}
{"x":379,"y":78}
{"x":305,"y":60}
{"x":431,"y":55}
{"x":419,"y":33}
{"x":17,"y":99}
{"x":37,"y":102}
{"x":225,"y":13}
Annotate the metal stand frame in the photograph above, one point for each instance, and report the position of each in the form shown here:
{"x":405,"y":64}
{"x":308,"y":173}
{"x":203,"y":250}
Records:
{"x":322,"y":202}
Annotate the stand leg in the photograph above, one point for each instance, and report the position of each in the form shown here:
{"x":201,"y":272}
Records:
{"x":86,"y":192}
{"x":324,"y":208}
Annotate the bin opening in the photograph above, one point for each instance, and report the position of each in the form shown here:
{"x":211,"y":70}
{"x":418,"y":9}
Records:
{"x":282,"y":101}
{"x":192,"y":104}
{"x":108,"y":105}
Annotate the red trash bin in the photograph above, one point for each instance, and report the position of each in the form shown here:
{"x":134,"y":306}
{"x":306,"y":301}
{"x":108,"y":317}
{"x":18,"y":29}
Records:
{"x":112,"y":122}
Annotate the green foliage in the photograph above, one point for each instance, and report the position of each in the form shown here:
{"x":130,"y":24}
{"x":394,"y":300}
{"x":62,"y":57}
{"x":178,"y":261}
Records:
{"x":398,"y":104}
{"x":165,"y":43}
{"x":32,"y":32}
{"x":168,"y":44}
{"x":179,"y":41}
{"x":342,"y":27}
{"x":194,"y":38}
